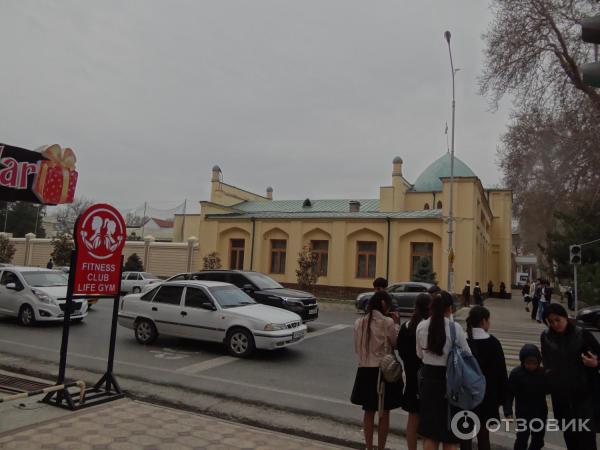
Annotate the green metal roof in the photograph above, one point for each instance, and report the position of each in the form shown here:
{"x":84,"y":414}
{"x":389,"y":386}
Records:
{"x":296,"y":206}
{"x":425,"y":214}
{"x":430,"y":181}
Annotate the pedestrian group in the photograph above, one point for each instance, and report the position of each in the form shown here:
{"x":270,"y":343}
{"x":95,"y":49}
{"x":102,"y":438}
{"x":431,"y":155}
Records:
{"x":431,"y":346}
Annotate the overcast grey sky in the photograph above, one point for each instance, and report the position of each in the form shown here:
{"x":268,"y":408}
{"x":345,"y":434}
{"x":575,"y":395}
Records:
{"x":313,"y":97}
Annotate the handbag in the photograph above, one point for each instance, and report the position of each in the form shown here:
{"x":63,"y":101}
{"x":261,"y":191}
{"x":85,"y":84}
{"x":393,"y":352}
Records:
{"x":389,"y":366}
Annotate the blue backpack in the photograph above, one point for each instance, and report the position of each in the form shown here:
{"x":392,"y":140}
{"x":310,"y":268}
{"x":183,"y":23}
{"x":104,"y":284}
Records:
{"x":465,"y":384}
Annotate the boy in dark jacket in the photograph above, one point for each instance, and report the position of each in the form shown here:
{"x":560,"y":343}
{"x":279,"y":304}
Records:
{"x":527,"y":385}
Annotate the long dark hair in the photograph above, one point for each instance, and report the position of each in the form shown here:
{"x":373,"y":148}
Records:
{"x":375,"y":305}
{"x":476,"y":315}
{"x":559,"y":310}
{"x":421,"y":311}
{"x":436,"y":338}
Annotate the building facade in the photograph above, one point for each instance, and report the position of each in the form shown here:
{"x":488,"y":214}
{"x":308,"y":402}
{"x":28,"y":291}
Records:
{"x":357,"y":240}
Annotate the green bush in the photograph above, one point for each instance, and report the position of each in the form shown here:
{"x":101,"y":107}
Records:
{"x":7,"y":249}
{"x":134,"y":264}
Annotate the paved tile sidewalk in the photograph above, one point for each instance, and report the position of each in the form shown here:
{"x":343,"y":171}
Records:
{"x":133,"y":425}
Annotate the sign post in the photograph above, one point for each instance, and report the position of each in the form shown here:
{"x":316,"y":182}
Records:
{"x":96,"y":268}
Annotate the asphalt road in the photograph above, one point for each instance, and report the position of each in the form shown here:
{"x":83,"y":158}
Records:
{"x":315,"y":376}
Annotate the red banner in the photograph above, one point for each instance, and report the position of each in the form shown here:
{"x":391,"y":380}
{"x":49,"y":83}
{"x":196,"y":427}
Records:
{"x":100,"y":236}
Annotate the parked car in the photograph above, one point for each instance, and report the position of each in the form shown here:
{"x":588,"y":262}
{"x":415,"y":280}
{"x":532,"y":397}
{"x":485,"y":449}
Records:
{"x":134,"y":282}
{"x":36,"y":295}
{"x":261,"y":288}
{"x":403,"y":296}
{"x":590,"y":315}
{"x":209,"y":311}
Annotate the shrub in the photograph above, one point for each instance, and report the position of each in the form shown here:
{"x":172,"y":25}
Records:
{"x":211,"y":261}
{"x":7,"y":249}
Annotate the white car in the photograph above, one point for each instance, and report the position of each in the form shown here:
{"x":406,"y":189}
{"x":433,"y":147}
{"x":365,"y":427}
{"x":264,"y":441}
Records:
{"x":210,"y":311}
{"x":134,"y":282}
{"x":36,"y":295}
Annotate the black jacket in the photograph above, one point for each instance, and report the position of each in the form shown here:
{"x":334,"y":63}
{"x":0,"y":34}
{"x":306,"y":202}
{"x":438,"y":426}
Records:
{"x":490,"y":357}
{"x":407,"y":345}
{"x":570,"y":383}
{"x":528,"y":389}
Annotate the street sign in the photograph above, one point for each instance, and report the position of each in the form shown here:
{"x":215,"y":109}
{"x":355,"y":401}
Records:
{"x":47,"y":175}
{"x":100,"y":235}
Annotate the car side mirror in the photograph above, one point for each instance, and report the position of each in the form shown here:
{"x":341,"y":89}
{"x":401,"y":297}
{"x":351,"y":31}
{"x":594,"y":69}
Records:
{"x":208,"y":306}
{"x":13,"y":287}
{"x":248,"y":287}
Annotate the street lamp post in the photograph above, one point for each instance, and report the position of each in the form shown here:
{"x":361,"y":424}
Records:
{"x":447,"y":35}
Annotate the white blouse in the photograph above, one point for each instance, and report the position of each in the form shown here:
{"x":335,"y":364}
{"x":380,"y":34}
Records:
{"x":431,"y":358}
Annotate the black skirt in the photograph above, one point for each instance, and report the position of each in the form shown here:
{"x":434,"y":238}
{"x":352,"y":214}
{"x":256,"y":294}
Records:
{"x":433,"y":419}
{"x":365,"y":394}
{"x":410,"y":398}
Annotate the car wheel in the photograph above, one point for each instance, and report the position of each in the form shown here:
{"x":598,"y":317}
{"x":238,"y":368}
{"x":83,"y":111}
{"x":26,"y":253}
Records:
{"x":136,"y":290}
{"x":145,"y":331}
{"x":240,"y":343}
{"x":26,"y":316}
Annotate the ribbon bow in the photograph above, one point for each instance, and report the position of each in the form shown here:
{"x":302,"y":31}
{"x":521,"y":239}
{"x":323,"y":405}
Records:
{"x":64,"y":158}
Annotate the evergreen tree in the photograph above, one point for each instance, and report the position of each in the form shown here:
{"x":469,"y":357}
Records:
{"x":22,"y":218}
{"x":133,"y":264}
{"x":62,"y":248}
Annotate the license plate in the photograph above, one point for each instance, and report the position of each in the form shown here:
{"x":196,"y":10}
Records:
{"x":313,"y":311}
{"x":298,"y":335}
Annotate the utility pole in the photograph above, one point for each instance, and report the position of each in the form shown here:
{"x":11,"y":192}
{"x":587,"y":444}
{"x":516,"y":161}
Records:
{"x":447,"y":35}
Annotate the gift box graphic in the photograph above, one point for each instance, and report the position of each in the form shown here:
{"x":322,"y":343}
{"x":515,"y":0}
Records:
{"x":56,"y":178}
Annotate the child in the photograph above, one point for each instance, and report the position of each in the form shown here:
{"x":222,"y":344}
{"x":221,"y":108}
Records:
{"x":527,"y":385}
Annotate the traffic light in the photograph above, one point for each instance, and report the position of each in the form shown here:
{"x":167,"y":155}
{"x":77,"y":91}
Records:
{"x":590,"y":32}
{"x":575,"y":254}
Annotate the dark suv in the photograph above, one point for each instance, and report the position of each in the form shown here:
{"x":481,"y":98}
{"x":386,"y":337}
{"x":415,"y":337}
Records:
{"x":264,"y":290}
{"x":403,"y":296}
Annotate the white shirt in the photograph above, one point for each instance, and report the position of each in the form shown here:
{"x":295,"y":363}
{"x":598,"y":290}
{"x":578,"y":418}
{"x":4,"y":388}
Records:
{"x":480,"y":333}
{"x":431,"y":358}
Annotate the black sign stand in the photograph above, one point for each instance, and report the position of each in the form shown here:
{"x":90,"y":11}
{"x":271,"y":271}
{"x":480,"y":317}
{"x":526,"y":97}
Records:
{"x":98,"y":394}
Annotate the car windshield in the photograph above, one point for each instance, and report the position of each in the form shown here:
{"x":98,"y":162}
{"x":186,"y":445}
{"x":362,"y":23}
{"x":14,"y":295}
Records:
{"x":230,"y":297}
{"x":148,"y":275}
{"x":45,"y":279}
{"x":262,"y":281}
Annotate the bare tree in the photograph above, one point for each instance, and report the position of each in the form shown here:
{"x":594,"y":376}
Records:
{"x":67,"y":215}
{"x":533,"y":52}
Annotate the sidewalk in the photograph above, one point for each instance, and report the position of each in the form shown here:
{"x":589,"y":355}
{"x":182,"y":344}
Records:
{"x":133,"y":425}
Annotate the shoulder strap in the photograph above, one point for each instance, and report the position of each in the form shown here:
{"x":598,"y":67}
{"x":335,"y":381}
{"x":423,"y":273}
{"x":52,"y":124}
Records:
{"x":452,"y":326}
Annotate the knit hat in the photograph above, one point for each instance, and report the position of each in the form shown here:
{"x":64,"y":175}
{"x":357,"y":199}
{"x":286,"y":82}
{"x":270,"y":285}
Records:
{"x":530,"y":351}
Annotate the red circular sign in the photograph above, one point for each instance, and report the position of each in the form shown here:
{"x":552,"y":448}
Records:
{"x":101,"y":231}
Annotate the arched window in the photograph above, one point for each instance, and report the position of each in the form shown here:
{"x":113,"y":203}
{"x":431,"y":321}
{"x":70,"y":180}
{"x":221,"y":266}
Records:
{"x":439,"y":204}
{"x":426,"y":206}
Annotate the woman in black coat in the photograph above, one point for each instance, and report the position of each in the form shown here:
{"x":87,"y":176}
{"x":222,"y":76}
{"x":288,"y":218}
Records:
{"x":490,"y":356}
{"x":570,"y":356}
{"x":407,"y":344}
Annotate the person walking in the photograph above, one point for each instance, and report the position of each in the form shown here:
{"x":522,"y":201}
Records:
{"x":50,"y":264}
{"x":477,"y":294}
{"x":545,"y":299}
{"x":535,"y":301}
{"x":466,"y":293}
{"x":407,"y":343}
{"x":570,"y":357}
{"x":525,"y":291}
{"x":527,"y":389}
{"x":375,"y":335}
{"x":490,"y":356}
{"x":490,"y":289}
{"x":433,"y":343}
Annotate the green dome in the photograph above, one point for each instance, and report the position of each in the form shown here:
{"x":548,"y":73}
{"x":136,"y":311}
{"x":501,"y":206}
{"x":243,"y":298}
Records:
{"x":430,"y":181}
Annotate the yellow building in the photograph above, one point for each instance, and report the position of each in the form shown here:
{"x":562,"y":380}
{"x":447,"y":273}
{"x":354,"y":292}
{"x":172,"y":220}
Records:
{"x":357,"y":240}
